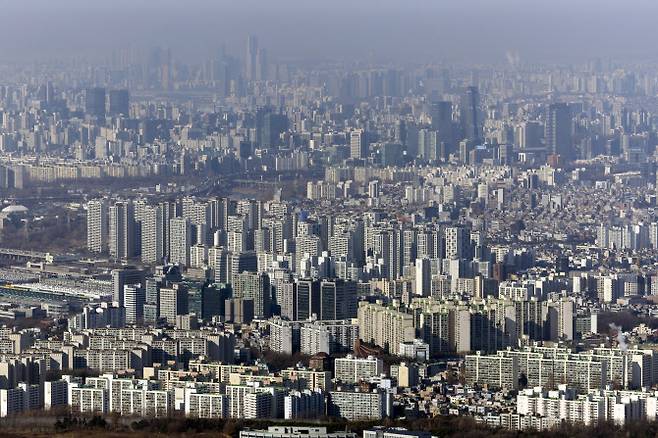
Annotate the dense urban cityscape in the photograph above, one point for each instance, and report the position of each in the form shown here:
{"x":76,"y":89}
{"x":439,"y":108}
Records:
{"x":261,"y":247}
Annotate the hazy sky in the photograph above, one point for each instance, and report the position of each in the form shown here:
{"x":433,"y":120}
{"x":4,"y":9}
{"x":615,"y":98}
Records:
{"x":408,"y":30}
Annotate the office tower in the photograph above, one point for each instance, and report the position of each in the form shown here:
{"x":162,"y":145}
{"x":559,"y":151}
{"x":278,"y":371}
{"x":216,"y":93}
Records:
{"x":338,"y":299}
{"x":122,"y":230}
{"x":469,"y":113}
{"x":557,"y":131}
{"x":121,"y":278}
{"x":212,"y":300}
{"x":173,"y":302}
{"x":47,"y":93}
{"x":530,"y":135}
{"x":307,"y":299}
{"x":358,"y":144}
{"x":251,"y":57}
{"x":133,"y":300}
{"x":423,"y":277}
{"x":119,"y":103}
{"x":392,"y":154}
{"x":441,"y":113}
{"x":95,"y":101}
{"x":411,"y":141}
{"x":180,"y":237}
{"x":97,"y":225}
{"x":269,"y":127}
{"x":255,"y":286}
{"x":165,"y":68}
{"x":152,"y":234}
{"x":262,"y":66}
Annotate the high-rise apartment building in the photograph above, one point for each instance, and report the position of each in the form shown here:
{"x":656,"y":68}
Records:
{"x":255,"y":286}
{"x":173,"y":302}
{"x":122,"y":230}
{"x":180,"y":238}
{"x":97,"y":225}
{"x":152,"y":234}
{"x":384,"y":326}
{"x":423,"y":278}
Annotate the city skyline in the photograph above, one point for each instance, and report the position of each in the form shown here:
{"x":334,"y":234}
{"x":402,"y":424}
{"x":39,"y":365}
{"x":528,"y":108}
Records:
{"x":372,"y":219}
{"x":468,"y":32}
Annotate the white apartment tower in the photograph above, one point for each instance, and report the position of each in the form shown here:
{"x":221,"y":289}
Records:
{"x":97,"y":225}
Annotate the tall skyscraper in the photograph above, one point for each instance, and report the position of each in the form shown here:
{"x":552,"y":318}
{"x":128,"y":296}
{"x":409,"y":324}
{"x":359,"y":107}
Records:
{"x":251,"y":57}
{"x":469,"y":114}
{"x":95,"y":101}
{"x":173,"y":302}
{"x":152,"y":234}
{"x":261,"y":65}
{"x":338,"y":299}
{"x":151,"y":300}
{"x":423,"y":277}
{"x":307,"y":299}
{"x":240,"y":262}
{"x":358,"y":144}
{"x":529,"y":135}
{"x":457,"y":243}
{"x":123,"y":277}
{"x":213,"y":298}
{"x":169,"y":211}
{"x":166,"y":70}
{"x":122,"y":230}
{"x":557,"y":131}
{"x":269,"y":127}
{"x":180,"y":239}
{"x":97,"y":225}
{"x":255,"y":286}
{"x":441,"y":113}
{"x":119,"y":103}
{"x":428,"y":144}
{"x":133,"y":300}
